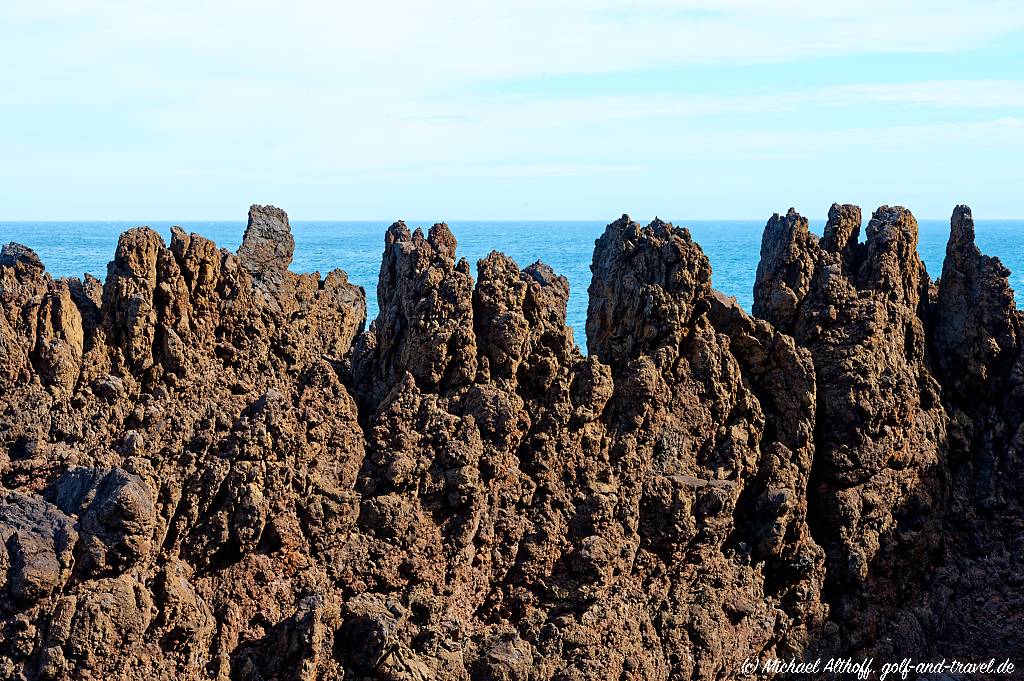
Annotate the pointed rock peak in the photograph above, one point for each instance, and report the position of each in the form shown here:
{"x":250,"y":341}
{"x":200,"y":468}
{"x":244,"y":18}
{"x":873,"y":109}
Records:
{"x":842,"y":231}
{"x":891,"y":264}
{"x":962,"y":255}
{"x":789,"y":255}
{"x":963,"y":212}
{"x":646,"y":289}
{"x":784,"y":236}
{"x":845,"y":212}
{"x":545,"y":276}
{"x":442,"y":239}
{"x":268,"y":243}
{"x":136,"y":254}
{"x":396,"y":233}
{"x":892,"y":222}
{"x":14,"y":254}
{"x":623,"y":229}
{"x":791,"y":223}
{"x":622,"y":224}
{"x":977,"y":325}
{"x":496,"y":261}
{"x":660,"y":227}
{"x":961,"y":234}
{"x":179,"y":240}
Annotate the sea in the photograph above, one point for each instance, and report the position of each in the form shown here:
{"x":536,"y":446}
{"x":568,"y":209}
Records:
{"x":70,"y":249}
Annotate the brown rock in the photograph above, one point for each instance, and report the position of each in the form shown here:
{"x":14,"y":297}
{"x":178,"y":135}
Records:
{"x":425,"y":326}
{"x":210,"y":469}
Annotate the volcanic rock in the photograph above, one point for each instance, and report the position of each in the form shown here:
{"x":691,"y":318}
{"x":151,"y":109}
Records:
{"x":210,"y":468}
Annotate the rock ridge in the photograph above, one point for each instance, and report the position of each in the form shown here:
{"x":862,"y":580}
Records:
{"x":210,"y":467}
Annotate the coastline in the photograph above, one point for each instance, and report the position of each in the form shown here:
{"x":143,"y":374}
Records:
{"x":261,"y":482}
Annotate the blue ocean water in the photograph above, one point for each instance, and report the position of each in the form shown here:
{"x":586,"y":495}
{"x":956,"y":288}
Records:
{"x":733,"y":246}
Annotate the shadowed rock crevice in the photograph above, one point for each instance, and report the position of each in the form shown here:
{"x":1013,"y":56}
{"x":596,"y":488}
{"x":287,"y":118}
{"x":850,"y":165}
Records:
{"x":210,"y":467}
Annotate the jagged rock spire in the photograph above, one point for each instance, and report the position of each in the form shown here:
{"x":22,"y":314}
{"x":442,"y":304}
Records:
{"x":208,"y":467}
{"x":648,"y":283}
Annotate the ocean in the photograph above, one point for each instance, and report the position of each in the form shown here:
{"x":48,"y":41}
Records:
{"x":733,"y":246}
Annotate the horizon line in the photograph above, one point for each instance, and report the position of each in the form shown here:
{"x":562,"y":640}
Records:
{"x":432,"y":221}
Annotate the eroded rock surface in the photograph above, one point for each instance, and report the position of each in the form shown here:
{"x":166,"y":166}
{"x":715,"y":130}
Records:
{"x":917,"y":390}
{"x":208,"y":469}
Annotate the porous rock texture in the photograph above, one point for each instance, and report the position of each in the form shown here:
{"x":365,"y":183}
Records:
{"x":210,"y":470}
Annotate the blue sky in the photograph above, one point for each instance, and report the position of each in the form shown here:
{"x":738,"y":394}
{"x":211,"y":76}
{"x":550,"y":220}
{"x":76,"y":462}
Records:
{"x":558,"y":109}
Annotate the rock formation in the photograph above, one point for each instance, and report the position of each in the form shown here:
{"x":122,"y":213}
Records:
{"x":209,"y":469}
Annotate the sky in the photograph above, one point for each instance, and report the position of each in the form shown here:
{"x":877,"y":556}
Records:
{"x":533,"y":109}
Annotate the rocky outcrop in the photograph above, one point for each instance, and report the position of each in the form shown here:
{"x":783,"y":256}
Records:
{"x":209,"y":469}
{"x":719,"y":467}
{"x":904,"y":373}
{"x":977,"y":355}
{"x":426,"y":323}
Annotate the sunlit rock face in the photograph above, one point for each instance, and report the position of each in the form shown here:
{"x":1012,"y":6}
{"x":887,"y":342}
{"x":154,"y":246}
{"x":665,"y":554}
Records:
{"x":211,"y":467}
